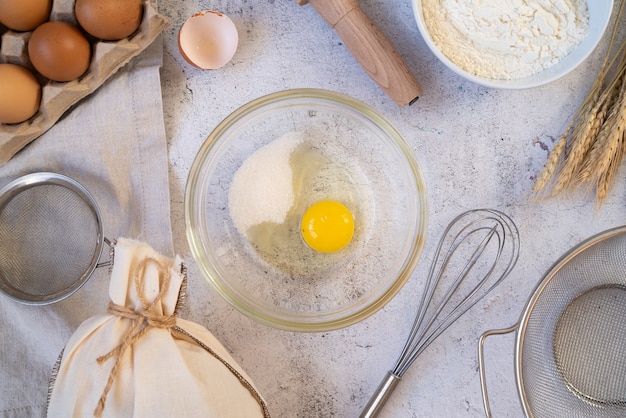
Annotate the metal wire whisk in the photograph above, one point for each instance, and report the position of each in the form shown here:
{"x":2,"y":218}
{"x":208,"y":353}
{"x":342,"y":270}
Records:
{"x":455,"y":283}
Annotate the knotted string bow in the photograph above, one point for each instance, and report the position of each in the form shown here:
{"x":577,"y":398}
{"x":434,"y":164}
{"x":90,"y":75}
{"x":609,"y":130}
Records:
{"x":144,"y":319}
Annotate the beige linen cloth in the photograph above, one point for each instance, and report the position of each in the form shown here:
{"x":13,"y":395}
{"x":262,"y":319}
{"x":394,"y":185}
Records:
{"x":114,"y":144}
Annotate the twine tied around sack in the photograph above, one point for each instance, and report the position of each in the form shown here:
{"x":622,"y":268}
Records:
{"x":144,"y":319}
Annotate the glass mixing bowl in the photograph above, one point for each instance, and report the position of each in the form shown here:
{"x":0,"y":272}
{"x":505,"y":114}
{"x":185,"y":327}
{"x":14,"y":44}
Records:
{"x":348,"y":153}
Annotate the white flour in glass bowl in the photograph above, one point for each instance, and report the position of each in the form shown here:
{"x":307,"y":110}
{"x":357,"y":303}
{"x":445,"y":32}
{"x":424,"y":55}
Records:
{"x":506,"y":39}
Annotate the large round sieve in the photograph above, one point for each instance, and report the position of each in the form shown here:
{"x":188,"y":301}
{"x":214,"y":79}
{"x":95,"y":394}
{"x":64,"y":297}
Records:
{"x":570,"y":352}
{"x":50,"y":238}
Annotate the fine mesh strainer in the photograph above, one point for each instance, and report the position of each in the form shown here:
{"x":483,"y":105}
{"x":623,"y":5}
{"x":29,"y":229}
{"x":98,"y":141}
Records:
{"x":51,"y":238}
{"x":570,"y":352}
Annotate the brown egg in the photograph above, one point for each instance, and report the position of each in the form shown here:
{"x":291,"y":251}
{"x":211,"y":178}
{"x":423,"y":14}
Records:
{"x":59,"y":51}
{"x":20,"y":94}
{"x":24,"y":15}
{"x":109,"y":20}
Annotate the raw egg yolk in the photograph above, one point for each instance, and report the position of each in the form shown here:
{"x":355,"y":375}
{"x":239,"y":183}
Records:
{"x":327,"y":226}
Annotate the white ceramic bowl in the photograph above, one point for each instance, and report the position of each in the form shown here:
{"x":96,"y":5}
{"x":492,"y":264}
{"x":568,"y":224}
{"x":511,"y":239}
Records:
{"x":599,"y":17}
{"x":369,"y":167}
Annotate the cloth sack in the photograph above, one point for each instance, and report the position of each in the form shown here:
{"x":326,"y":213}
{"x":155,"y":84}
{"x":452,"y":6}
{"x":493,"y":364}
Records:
{"x":141,"y":360}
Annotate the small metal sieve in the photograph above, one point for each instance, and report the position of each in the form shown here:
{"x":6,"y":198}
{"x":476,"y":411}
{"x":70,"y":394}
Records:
{"x":570,"y":353}
{"x":51,"y":238}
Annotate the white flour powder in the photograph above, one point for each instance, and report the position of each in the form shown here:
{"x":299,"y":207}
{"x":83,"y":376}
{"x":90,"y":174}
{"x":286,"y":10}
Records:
{"x":506,"y":39}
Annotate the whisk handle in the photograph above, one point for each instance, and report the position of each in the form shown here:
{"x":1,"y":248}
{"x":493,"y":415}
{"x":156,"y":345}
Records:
{"x":379,"y":398}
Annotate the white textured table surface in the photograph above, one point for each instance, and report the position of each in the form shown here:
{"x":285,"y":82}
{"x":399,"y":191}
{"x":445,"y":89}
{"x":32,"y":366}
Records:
{"x":478,"y":147}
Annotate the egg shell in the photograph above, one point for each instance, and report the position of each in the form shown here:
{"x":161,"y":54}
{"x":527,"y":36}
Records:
{"x":109,"y":20}
{"x":59,"y":51}
{"x":208,"y":40}
{"x":20,"y":94}
{"x":24,"y":15}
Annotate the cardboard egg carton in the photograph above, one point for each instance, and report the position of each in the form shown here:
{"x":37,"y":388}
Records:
{"x":57,"y":98}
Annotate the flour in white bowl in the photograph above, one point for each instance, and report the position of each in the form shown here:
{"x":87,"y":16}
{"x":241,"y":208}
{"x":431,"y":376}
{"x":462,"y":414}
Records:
{"x":506,"y":39}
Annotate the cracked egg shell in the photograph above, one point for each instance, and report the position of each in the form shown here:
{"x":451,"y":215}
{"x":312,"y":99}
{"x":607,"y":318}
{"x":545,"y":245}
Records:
{"x":208,"y":40}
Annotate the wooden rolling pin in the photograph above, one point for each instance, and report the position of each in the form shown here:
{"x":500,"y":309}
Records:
{"x":370,"y":47}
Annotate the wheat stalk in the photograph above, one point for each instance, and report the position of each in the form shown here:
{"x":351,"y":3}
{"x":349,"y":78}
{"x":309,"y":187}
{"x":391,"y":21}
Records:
{"x":569,"y":146}
{"x":560,"y":152}
{"x":581,"y":142}
{"x":587,"y":168}
{"x":613,"y":152}
{"x":593,"y":145}
{"x":554,"y":159}
{"x":586,"y":171}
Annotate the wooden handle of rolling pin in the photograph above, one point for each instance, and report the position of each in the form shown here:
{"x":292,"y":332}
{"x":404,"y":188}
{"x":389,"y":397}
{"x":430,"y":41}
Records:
{"x":371,"y":48}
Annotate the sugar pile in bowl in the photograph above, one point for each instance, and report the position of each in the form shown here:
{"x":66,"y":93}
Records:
{"x":262,"y":189}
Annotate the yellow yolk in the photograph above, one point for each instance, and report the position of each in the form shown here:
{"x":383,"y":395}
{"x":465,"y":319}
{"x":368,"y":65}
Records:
{"x":327,"y":226}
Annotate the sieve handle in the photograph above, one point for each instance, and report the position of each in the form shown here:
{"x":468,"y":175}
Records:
{"x":379,"y":398}
{"x":481,"y":363}
{"x":109,"y":262}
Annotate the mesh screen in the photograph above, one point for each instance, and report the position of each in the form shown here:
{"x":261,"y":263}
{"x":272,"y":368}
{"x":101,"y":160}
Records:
{"x":48,"y":239}
{"x":589,"y":348}
{"x":573,"y":344}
